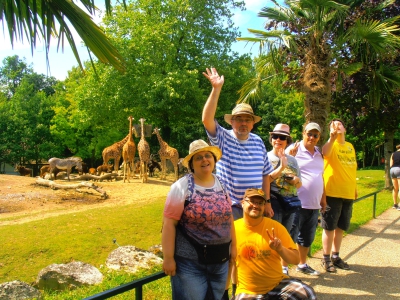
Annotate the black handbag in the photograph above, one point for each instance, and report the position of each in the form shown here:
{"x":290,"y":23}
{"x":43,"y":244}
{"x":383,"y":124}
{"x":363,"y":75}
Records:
{"x":208,"y":254}
{"x":288,"y":203}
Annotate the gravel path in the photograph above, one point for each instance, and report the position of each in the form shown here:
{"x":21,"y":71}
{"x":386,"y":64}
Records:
{"x":372,"y":252}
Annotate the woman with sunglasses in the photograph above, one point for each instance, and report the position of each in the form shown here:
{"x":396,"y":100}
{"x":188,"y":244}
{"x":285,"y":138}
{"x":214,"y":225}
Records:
{"x":198,"y":238}
{"x":285,"y":179}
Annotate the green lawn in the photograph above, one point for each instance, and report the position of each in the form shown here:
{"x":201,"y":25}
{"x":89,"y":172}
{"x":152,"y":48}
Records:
{"x":88,"y":237}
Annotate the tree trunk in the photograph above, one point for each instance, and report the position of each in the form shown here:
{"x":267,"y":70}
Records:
{"x":317,"y":87}
{"x":388,"y":150}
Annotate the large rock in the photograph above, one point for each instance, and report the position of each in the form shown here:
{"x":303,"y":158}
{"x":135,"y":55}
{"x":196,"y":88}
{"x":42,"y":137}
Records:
{"x":68,"y":276}
{"x":18,"y":290}
{"x":130,"y":259}
{"x":157,"y":250}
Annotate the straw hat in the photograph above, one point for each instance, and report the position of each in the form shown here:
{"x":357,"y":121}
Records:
{"x":199,"y":146}
{"x":282,"y":129}
{"x":242,"y":109}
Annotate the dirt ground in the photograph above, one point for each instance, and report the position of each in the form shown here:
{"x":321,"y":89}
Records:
{"x":22,"y":199}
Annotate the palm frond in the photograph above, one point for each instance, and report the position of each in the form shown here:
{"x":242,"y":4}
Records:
{"x":45,"y":19}
{"x":371,"y":35}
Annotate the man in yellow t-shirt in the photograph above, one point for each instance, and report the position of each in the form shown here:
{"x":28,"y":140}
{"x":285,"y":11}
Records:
{"x":261,"y":244}
{"x":340,"y":167}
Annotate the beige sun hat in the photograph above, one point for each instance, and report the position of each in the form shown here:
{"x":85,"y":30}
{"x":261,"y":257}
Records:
{"x":241,"y":109}
{"x":282,"y":129}
{"x":199,"y":146}
{"x":311,"y":126}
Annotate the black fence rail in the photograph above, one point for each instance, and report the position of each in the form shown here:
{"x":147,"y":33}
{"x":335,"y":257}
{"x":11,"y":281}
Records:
{"x":374,"y":202}
{"x":138,"y":284}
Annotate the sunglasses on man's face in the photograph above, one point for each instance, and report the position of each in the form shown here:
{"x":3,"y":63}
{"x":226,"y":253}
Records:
{"x":281,"y":137}
{"x":314,"y":135}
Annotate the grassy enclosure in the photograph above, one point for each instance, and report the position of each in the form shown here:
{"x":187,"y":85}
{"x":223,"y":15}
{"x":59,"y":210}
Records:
{"x":88,"y":236}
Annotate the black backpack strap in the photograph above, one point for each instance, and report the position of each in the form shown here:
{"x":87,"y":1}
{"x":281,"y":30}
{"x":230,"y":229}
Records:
{"x":190,"y":188}
{"x":223,"y":186}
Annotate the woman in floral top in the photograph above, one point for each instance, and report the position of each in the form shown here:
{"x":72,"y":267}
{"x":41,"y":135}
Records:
{"x":198,"y":232}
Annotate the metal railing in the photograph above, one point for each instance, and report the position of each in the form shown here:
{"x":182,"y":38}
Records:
{"x":138,"y":284}
{"x":374,"y":203}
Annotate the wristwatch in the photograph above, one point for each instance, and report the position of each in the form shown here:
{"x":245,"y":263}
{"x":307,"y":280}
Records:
{"x":268,"y":200}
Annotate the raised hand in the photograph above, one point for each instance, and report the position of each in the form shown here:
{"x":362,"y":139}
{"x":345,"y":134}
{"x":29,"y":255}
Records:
{"x":334,"y":131}
{"x":215,"y":80}
{"x":282,"y":157}
{"x":294,"y":149}
{"x":274,"y":242}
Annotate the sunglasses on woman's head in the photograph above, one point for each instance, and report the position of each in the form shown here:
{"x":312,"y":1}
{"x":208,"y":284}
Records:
{"x":281,"y":137}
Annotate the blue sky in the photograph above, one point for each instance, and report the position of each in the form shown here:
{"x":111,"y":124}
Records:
{"x":62,"y":61}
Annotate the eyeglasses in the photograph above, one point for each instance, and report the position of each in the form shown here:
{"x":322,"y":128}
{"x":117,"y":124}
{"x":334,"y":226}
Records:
{"x":200,"y":157}
{"x":315,"y":135}
{"x":240,"y":120}
{"x":281,"y":137}
{"x":253,"y":202}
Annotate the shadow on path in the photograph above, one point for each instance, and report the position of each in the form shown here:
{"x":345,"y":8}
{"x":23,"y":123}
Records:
{"x":372,"y":252}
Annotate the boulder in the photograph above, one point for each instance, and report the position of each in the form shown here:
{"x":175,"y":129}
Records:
{"x":157,"y":250}
{"x":18,"y":290}
{"x":130,"y":259}
{"x":68,"y":276}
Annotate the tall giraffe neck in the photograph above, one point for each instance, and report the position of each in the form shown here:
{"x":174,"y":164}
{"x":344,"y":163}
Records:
{"x":122,"y":142}
{"x":160,"y":140}
{"x":130,"y":129}
{"x":142,"y":129}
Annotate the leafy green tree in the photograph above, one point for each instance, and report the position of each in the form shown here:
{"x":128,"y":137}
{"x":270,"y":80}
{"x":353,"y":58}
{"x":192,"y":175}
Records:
{"x":28,"y":135}
{"x":38,"y":20}
{"x":372,"y":114}
{"x":25,"y":113}
{"x":11,"y":74}
{"x":166,"y":45}
{"x":316,"y":34}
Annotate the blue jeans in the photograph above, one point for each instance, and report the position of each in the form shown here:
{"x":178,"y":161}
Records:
{"x":192,"y":279}
{"x":283,"y":217}
{"x":304,"y":226}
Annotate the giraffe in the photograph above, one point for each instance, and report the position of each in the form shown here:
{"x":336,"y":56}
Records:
{"x":167,"y":152}
{"x":144,"y":152}
{"x":128,"y":152}
{"x":114,"y":151}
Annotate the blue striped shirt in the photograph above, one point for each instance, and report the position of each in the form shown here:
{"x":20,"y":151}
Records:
{"x":243,"y":163}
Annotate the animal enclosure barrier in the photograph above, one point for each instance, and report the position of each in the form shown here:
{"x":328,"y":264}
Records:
{"x":137,"y":285}
{"x":147,"y":130}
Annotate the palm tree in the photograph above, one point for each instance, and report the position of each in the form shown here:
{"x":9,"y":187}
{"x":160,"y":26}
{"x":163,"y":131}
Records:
{"x":35,"y":20}
{"x":315,"y":42}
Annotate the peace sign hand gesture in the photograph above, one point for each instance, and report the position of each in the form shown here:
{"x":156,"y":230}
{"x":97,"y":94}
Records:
{"x":294,"y":149}
{"x":334,"y":131}
{"x":274,"y":242}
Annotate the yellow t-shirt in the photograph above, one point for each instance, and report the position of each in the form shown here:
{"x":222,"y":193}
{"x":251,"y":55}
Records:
{"x":258,"y":266}
{"x":340,"y":169}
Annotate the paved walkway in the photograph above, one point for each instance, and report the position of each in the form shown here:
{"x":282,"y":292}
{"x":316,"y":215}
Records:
{"x":373,"y":253}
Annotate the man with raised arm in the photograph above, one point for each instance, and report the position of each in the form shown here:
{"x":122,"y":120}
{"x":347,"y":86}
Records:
{"x":244,"y":163}
{"x":340,"y":167}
